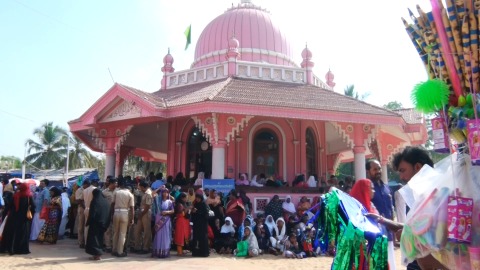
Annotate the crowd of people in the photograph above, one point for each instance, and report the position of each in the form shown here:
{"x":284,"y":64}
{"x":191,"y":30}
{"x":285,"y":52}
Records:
{"x":152,"y":216}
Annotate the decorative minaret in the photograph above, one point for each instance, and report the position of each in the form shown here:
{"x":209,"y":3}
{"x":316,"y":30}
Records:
{"x":307,"y":64}
{"x":232,"y":55}
{"x":329,"y":79}
{"x":167,"y":68}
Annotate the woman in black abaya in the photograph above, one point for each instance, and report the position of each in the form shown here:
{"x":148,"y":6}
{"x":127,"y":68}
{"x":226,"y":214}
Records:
{"x":98,"y":222}
{"x":17,"y":227}
{"x":199,"y":218}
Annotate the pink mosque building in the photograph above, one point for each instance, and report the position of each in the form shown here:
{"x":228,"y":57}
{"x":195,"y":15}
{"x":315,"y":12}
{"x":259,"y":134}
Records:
{"x":245,"y":106}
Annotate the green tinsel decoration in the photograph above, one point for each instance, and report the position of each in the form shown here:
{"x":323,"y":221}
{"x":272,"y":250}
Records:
{"x":430,"y":96}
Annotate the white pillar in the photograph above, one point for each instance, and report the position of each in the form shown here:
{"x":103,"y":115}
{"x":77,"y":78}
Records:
{"x":218,"y":160}
{"x":110,"y":162}
{"x":384,"y":171}
{"x":359,"y":162}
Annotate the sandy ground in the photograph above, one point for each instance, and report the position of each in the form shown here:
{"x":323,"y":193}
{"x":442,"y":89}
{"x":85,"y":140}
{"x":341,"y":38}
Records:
{"x":67,"y":255}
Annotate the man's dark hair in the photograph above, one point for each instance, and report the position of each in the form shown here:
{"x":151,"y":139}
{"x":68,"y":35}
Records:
{"x":159,"y":175}
{"x":144,"y":184}
{"x":368,"y":165}
{"x":412,"y":155}
{"x":46,"y":181}
{"x":121,"y":182}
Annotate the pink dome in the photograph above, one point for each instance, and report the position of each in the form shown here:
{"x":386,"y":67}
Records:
{"x":306,"y":54}
{"x":168,"y":59}
{"x":260,"y":39}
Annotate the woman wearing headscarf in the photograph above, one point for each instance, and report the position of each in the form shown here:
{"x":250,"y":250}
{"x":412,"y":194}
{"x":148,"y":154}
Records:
{"x":253,"y":249}
{"x":17,"y":227}
{"x":311,"y":182}
{"x":288,"y":207}
{"x":279,"y":236}
{"x":182,"y":223}
{"x":271,"y":225}
{"x":235,"y":209}
{"x":274,"y":208}
{"x":243,"y":181}
{"x":199,"y":218}
{"x":49,"y":231}
{"x":200,"y":177}
{"x":190,"y":196}
{"x":303,"y":205}
{"x":363,"y":191}
{"x":98,"y":222}
{"x":162,"y":210}
{"x":228,"y":241}
{"x":254,"y":182}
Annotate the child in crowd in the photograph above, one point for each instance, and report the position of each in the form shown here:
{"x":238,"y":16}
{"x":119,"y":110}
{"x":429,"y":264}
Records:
{"x":292,"y":248}
{"x":307,"y":243}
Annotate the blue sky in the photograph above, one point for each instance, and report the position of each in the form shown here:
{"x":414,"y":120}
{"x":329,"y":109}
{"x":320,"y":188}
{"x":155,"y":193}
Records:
{"x":55,"y":55}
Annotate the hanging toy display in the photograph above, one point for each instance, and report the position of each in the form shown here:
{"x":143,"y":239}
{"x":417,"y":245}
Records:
{"x":447,"y":41}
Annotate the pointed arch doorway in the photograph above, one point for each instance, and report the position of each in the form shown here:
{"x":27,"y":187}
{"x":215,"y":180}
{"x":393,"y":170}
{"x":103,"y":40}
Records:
{"x":199,"y":155}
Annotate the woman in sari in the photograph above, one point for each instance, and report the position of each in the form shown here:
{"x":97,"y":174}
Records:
{"x":162,"y":210}
{"x":182,"y":223}
{"x":235,"y":209}
{"x":49,"y":231}
{"x":17,"y":227}
{"x":199,"y":218}
{"x":363,"y":191}
{"x":98,"y":222}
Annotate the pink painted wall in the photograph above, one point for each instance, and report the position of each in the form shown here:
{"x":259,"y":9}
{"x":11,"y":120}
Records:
{"x":292,"y":162}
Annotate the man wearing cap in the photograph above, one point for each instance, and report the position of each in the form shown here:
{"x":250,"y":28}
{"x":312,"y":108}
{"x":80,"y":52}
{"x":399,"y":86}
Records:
{"x":122,"y":207}
{"x":108,"y":193}
{"x":144,"y":222}
{"x":81,"y":213}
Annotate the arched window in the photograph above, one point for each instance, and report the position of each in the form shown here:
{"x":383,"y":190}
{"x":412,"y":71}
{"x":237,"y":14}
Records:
{"x":311,"y":150}
{"x":265,"y":153}
{"x":199,"y":155}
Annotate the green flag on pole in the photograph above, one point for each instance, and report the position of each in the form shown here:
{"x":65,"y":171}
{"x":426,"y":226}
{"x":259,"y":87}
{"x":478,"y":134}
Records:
{"x":188,"y":35}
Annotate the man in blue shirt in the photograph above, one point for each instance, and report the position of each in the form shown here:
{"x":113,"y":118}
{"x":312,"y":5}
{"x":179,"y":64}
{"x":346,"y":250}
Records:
{"x":158,"y":182}
{"x":42,"y":199}
{"x":382,"y":200}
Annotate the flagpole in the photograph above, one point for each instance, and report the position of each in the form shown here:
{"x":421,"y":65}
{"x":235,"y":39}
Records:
{"x":24,"y":163}
{"x":68,"y":159}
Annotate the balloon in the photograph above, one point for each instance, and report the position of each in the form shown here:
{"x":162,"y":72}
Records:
{"x":461,"y":101}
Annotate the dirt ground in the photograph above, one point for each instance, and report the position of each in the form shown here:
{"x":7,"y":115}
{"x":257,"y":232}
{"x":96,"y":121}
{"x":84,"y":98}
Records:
{"x":67,"y":255}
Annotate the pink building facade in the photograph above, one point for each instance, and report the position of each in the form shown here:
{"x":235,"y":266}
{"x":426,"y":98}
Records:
{"x":244,"y":106}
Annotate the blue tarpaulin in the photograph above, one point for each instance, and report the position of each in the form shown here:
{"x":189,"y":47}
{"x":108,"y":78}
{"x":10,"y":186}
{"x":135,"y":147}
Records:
{"x":92,"y":175}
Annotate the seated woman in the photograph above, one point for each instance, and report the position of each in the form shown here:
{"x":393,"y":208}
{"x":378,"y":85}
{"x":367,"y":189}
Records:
{"x":227,"y":242}
{"x":200,"y":177}
{"x":279,"y":237}
{"x":235,"y":208}
{"x":311,"y":182}
{"x":243,"y":181}
{"x":254,"y":182}
{"x":263,"y":236}
{"x":288,"y":208}
{"x":253,"y":248}
{"x":299,"y":181}
{"x":303,"y":206}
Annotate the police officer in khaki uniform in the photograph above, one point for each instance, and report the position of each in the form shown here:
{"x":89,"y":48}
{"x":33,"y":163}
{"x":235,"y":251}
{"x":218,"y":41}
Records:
{"x":108,"y":193}
{"x":81,"y":213}
{"x":144,"y":220}
{"x":122,"y":208}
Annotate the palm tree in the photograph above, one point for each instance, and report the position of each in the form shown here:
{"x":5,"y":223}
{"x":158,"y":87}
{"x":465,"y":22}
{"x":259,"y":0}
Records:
{"x":51,"y":148}
{"x":350,"y":91}
{"x":79,"y":156}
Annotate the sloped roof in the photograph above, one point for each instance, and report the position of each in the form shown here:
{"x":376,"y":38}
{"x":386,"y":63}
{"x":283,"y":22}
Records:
{"x":259,"y":92}
{"x":411,"y":116}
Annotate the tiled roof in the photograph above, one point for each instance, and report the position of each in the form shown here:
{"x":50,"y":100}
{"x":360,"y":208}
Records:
{"x":262,"y":93}
{"x":411,"y":116}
